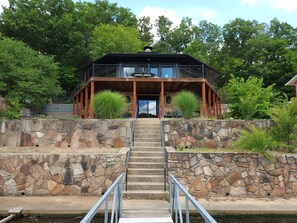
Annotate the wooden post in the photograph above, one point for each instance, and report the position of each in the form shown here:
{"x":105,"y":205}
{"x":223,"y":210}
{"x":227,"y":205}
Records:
{"x":73,"y":106}
{"x":209,"y":102}
{"x":214,"y":104}
{"x":204,"y":115}
{"x":86,"y":102}
{"x":92,"y":100}
{"x":162,"y":100}
{"x":81,"y":104}
{"x":134,"y":99}
{"x":220,"y":109}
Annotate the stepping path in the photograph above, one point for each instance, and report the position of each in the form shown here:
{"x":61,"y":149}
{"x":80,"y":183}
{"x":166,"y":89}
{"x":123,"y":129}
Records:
{"x":146,"y":167}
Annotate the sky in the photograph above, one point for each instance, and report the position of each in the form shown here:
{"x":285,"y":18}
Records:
{"x":218,"y":12}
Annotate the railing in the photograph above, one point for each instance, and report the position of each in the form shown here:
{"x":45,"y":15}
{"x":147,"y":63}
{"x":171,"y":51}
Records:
{"x":175,"y":204}
{"x":164,"y":153}
{"x":117,"y":207}
{"x":129,"y":152}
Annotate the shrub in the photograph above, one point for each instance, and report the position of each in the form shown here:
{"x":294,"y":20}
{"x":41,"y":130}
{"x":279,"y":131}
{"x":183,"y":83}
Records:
{"x":109,"y":105}
{"x":187,"y":103}
{"x":257,"y":140}
{"x":11,"y":110}
{"x":285,"y":119}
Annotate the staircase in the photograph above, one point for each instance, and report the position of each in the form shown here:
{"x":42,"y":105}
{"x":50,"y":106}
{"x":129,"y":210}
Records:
{"x":146,"y":167}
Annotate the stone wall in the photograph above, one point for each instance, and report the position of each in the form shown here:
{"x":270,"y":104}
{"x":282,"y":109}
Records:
{"x":234,"y":174}
{"x":46,"y":174}
{"x":211,"y":134}
{"x":65,"y":133}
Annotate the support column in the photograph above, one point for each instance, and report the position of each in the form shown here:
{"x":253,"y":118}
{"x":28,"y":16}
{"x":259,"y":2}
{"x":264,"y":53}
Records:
{"x":73,"y":106}
{"x":92,"y":100}
{"x":76,"y":104}
{"x":162,"y":100}
{"x":214,"y":104}
{"x":220,"y":109}
{"x":209,"y":102}
{"x":204,"y":115}
{"x":81,"y":104}
{"x":134,"y":99}
{"x":86,"y":102}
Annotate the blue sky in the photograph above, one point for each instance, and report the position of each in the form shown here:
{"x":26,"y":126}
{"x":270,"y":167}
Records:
{"x":219,"y":12}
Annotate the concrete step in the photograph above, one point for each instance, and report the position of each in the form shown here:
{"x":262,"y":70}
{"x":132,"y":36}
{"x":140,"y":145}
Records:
{"x":147,"y":148}
{"x":147,"y":131}
{"x":147,"y":144}
{"x":146,"y":159}
{"x":146,"y":127}
{"x":149,"y":186}
{"x":144,"y":195}
{"x":147,"y":139}
{"x":146,"y":220}
{"x":145,"y":178}
{"x":148,"y":135}
{"x":147,"y":153}
{"x":145,"y":165}
{"x":141,"y":171}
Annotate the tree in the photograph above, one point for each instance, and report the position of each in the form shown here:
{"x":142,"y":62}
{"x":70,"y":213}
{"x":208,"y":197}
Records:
{"x":187,"y":102}
{"x":248,"y":99}
{"x":108,"y":38}
{"x":145,"y":28}
{"x":27,"y":75}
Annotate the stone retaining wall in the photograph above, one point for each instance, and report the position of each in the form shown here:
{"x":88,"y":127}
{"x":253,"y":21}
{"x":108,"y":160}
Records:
{"x":209,"y":133}
{"x":65,"y":133}
{"x":59,"y":174}
{"x":234,"y":174}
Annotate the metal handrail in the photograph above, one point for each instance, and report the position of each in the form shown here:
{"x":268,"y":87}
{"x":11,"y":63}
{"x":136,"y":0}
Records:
{"x":131,"y":143}
{"x":117,"y":207}
{"x":175,"y":205}
{"x":164,"y":153}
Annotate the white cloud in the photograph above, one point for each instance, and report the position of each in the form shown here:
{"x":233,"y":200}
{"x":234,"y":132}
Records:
{"x":288,"y":5}
{"x":248,"y":2}
{"x":3,"y":3}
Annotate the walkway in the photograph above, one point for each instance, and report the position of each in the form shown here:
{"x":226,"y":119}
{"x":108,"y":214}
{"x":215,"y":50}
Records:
{"x":81,"y":205}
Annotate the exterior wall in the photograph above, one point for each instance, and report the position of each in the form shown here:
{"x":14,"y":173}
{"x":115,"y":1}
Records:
{"x":59,"y":174}
{"x":65,"y":133}
{"x":211,"y":134}
{"x":234,"y":174}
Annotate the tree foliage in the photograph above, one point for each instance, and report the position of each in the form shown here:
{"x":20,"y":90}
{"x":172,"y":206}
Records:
{"x":108,"y":38}
{"x":285,"y":118}
{"x":26,"y":75}
{"x":248,"y":99}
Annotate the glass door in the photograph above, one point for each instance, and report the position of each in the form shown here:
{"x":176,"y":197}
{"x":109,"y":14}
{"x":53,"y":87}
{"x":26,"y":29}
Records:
{"x":147,"y":108}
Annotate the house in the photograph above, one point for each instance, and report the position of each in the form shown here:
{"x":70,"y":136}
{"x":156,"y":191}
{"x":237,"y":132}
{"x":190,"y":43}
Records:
{"x":293,"y":82}
{"x":148,"y":80}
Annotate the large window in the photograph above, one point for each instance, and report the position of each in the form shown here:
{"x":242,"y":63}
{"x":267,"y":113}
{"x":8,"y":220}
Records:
{"x":167,"y":72}
{"x":155,"y":71}
{"x":128,"y":70}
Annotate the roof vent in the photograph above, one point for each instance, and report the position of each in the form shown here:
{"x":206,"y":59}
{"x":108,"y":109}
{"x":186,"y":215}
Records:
{"x":147,"y":49}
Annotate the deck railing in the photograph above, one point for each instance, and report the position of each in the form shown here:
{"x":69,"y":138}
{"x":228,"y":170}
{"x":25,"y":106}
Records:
{"x":175,"y":203}
{"x":164,"y":153}
{"x":117,"y":207}
{"x":131,"y":144}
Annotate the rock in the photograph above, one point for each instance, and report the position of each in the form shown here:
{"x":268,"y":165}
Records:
{"x":20,"y":179}
{"x":117,"y":143}
{"x":37,"y":171}
{"x":196,"y":184}
{"x":207,"y":171}
{"x":77,"y":169}
{"x":233,"y":177}
{"x":10,"y":187}
{"x":26,"y":140}
{"x":97,"y":182}
{"x":277,"y":192}
{"x":193,"y":161}
{"x":237,"y":191}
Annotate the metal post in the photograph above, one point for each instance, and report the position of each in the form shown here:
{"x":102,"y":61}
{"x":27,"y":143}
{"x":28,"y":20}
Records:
{"x":187,"y":211}
{"x":106,"y":211}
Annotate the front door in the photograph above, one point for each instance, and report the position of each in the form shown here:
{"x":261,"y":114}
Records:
{"x":148,"y":107}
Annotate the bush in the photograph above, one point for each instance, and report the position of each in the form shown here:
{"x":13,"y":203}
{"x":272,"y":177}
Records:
{"x":109,"y":105}
{"x":285,"y":119}
{"x":187,"y":103}
{"x":257,"y":140}
{"x":11,"y":110}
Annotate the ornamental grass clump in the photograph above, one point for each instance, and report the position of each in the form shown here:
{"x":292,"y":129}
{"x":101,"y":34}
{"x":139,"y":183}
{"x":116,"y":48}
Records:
{"x":187,"y":103}
{"x":109,"y":105}
{"x":257,"y":140}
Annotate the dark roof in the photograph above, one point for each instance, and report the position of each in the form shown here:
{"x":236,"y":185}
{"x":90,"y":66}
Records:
{"x":145,"y":57}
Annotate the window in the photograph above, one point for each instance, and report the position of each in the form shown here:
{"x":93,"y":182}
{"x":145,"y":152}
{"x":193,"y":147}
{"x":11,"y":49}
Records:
{"x":155,"y":71}
{"x":128,"y":71}
{"x":167,"y":72}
